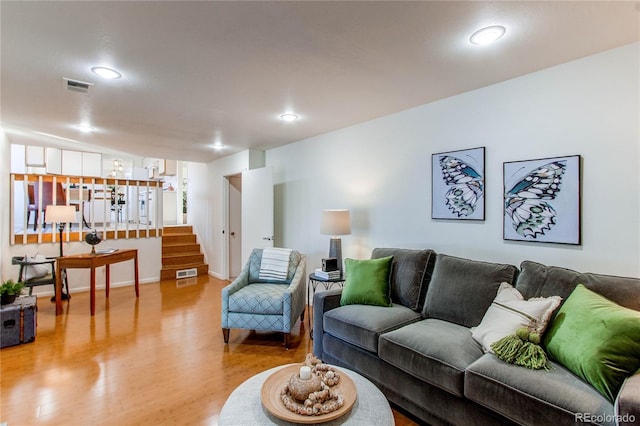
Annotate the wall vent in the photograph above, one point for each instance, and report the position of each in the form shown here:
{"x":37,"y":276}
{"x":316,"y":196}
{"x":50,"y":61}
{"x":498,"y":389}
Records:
{"x":186,"y":273}
{"x":76,"y":85}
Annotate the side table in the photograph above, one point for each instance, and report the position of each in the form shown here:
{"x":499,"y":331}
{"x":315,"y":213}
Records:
{"x":314,"y":281}
{"x":93,"y":261}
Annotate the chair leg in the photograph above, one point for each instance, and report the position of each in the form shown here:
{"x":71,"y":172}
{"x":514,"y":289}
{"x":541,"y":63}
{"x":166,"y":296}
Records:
{"x":225,"y":335}
{"x":286,"y":340}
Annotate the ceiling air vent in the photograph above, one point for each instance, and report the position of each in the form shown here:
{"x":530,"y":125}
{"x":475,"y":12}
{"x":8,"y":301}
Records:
{"x":76,"y":85}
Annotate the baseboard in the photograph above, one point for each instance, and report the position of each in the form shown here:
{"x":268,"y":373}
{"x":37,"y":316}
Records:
{"x":215,"y":274}
{"x":99,"y":287}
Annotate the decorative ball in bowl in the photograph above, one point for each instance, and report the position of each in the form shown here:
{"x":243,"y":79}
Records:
{"x":93,"y":238}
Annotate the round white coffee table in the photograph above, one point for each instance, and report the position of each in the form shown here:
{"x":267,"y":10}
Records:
{"x":244,"y":407}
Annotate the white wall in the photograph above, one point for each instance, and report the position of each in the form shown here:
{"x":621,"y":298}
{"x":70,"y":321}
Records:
{"x":206,"y":198}
{"x":5,"y":165}
{"x":381,"y":169}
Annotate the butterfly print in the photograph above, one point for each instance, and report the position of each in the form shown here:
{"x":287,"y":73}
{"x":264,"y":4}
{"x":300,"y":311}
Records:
{"x":466,"y":187}
{"x":526,"y":202}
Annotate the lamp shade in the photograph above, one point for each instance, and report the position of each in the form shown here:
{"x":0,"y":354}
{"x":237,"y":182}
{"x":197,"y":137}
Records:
{"x":60,"y":214}
{"x":335,"y":222}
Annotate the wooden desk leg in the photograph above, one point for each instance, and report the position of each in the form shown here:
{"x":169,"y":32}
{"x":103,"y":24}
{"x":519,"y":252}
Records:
{"x":107,"y":279}
{"x":93,"y":290}
{"x":135,"y":267}
{"x":58,"y":289}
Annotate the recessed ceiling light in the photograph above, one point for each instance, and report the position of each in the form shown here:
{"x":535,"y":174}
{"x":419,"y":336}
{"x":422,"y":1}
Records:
{"x":487,"y":35}
{"x":289,"y":117}
{"x":85,"y":128}
{"x":217,"y":146}
{"x":108,"y":73}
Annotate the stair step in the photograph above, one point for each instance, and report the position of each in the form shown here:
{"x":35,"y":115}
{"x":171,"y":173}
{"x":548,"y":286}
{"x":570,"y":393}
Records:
{"x":169,"y":273}
{"x":180,"y":248}
{"x":182,"y":259}
{"x":178,"y":229}
{"x":178,"y":239}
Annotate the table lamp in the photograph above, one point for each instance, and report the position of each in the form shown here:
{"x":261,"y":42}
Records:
{"x":335,"y":223}
{"x":60,"y":215}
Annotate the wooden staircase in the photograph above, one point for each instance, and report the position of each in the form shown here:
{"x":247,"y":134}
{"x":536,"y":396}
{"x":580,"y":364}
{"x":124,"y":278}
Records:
{"x":180,"y":250}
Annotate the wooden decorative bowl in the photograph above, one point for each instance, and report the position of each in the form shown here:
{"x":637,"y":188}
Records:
{"x":270,"y":396}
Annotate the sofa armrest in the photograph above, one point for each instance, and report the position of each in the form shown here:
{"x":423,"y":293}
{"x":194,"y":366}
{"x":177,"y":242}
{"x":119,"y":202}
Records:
{"x":323,"y":301}
{"x":628,"y":402}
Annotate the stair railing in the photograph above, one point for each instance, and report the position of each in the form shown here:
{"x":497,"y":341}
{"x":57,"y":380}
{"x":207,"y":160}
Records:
{"x":118,"y":208}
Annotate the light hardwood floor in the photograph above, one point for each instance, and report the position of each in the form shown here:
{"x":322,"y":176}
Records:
{"x":157,"y":360}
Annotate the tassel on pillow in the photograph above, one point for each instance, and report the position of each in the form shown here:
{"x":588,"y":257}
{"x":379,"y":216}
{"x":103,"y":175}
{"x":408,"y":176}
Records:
{"x":522,"y":348}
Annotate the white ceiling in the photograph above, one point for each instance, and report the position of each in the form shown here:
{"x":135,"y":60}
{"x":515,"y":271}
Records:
{"x":197,"y":72}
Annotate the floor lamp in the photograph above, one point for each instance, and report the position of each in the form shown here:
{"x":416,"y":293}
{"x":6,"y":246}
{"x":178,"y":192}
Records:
{"x":336,"y":223}
{"x":61,"y":215}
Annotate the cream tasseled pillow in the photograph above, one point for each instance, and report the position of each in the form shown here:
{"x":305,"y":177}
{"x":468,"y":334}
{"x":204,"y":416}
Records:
{"x":509,"y":311}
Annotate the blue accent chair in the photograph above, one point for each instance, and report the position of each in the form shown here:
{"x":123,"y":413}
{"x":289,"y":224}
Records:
{"x":255,"y":304}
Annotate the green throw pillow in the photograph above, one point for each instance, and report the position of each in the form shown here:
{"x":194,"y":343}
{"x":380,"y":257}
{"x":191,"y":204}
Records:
{"x":597,"y":339}
{"x":367,"y":282}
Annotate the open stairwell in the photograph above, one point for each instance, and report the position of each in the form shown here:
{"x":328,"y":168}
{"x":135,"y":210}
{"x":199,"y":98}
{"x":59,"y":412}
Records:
{"x":180,"y":252}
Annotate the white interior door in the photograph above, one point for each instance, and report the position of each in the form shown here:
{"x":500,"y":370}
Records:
{"x":235,"y":225}
{"x":257,"y":210}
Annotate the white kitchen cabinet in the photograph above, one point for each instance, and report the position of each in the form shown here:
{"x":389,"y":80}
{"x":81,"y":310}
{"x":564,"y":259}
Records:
{"x":71,"y":163}
{"x":167,"y":167}
{"x":91,"y":164}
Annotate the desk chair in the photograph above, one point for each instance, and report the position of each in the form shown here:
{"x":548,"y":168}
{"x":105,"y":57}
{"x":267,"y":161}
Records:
{"x":34,"y":273}
{"x":47,"y":199}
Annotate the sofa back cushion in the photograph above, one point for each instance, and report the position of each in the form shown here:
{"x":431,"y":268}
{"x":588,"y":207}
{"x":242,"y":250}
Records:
{"x":410,"y":274}
{"x":537,"y":280}
{"x":461,"y":290}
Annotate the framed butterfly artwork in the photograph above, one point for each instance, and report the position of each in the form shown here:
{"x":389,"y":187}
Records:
{"x":457,"y":184}
{"x":542,"y":200}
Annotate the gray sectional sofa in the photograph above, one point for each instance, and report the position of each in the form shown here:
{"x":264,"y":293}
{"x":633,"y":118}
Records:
{"x":421,"y":354}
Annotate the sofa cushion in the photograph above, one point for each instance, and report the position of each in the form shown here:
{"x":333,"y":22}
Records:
{"x":509,"y":312}
{"x":432,"y":350}
{"x":537,"y":280}
{"x":461,"y":290}
{"x":597,"y":339}
{"x":367,"y":282}
{"x":410,"y":274}
{"x":534,"y":397}
{"x":361,"y":325}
